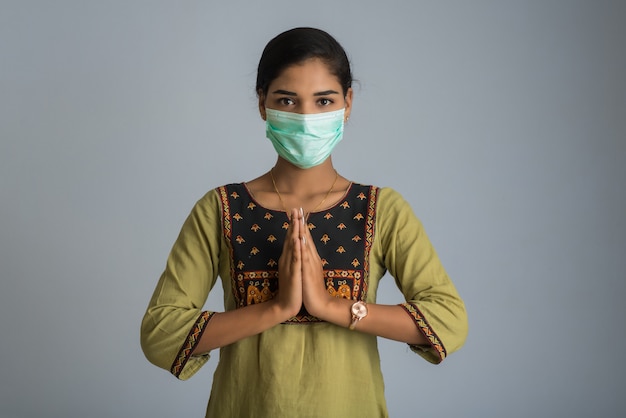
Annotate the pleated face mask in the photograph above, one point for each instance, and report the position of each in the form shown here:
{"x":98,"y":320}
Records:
{"x":305,"y":140}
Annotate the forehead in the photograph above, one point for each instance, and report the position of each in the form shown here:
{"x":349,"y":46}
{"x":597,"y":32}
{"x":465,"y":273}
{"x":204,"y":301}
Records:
{"x":312,"y":74}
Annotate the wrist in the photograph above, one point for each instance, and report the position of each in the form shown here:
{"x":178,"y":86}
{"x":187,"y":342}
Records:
{"x":281,"y":311}
{"x":322,"y":307}
{"x":358,"y":311}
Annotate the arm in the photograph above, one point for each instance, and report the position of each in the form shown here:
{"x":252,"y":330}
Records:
{"x":432,"y":314}
{"x":389,"y":321}
{"x":174,"y":318}
{"x":175,"y":334}
{"x":431,"y":299}
{"x":228,"y":327}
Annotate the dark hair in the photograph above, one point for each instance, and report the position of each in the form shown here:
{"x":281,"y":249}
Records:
{"x":297,"y":45}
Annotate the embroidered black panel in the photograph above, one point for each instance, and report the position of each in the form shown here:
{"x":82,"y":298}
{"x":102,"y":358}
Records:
{"x":343,"y":236}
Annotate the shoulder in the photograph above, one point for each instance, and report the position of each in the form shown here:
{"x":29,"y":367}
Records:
{"x":387,"y":201}
{"x":386,"y":198}
{"x":214,"y":198}
{"x":387,"y":195}
{"x":393,"y":210}
{"x":231,"y":189}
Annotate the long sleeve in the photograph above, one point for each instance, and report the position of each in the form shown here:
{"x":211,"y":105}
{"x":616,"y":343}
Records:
{"x":431,"y":298}
{"x":174,"y":320}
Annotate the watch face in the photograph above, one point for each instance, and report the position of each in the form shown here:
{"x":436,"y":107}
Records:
{"x":359,"y":309}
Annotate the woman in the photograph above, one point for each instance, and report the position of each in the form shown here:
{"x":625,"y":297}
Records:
{"x":300,"y":251}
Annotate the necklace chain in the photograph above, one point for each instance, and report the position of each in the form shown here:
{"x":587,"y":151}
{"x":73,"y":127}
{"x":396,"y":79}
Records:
{"x":282,"y":203}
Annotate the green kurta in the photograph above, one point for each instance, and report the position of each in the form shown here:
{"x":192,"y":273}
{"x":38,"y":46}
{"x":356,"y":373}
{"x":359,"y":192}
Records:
{"x":304,"y":367}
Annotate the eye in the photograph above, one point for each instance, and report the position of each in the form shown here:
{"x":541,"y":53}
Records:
{"x":325,"y":102}
{"x":286,"y":101}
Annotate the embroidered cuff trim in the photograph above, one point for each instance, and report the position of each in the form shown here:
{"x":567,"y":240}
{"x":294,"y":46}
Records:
{"x":190,"y":342}
{"x":426,"y":330}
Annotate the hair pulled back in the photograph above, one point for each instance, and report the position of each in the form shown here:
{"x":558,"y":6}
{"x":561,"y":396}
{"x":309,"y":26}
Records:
{"x":297,"y":45}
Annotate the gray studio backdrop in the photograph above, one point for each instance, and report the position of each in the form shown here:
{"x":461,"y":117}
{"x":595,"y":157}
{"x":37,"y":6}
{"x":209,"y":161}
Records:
{"x":502,"y":122}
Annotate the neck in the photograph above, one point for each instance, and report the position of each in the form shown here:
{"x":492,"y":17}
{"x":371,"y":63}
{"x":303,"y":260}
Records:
{"x":291,"y":179}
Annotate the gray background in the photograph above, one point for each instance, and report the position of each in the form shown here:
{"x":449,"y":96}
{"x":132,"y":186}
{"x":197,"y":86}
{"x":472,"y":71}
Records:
{"x":502,"y":122}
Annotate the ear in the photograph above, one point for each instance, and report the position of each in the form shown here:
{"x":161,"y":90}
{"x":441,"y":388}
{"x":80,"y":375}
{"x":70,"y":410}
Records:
{"x":262,"y":104}
{"x":348,"y":102}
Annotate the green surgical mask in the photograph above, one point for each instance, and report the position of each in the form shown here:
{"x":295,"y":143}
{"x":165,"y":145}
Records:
{"x":304,"y":140}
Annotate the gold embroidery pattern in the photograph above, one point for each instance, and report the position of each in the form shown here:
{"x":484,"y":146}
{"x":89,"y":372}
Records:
{"x":342,"y":291}
{"x":226,"y":211}
{"x":343,"y":236}
{"x":256,"y":295}
{"x":256,"y":286}
{"x":190,"y":342}
{"x":227,"y":228}
{"x":426,"y":329}
{"x":369,"y":234}
{"x":344,"y":283}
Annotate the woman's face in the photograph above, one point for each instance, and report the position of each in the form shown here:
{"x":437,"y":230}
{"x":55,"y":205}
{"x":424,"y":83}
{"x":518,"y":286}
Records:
{"x":304,"y":88}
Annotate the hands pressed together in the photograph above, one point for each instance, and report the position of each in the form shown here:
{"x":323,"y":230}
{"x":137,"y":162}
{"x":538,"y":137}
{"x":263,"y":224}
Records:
{"x":301,"y":282}
{"x":301,"y":276}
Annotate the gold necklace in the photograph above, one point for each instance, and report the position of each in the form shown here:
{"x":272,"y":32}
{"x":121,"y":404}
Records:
{"x":282,"y":203}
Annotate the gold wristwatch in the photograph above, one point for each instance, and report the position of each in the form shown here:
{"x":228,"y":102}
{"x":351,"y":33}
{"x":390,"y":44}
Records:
{"x":359,"y":311}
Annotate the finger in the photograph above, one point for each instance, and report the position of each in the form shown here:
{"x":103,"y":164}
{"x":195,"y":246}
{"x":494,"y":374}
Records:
{"x":295,"y":232}
{"x":292,"y":230}
{"x":288,"y":244}
{"x":310,"y":256}
{"x":309,"y":248}
{"x":295,"y":219}
{"x":303,"y":228}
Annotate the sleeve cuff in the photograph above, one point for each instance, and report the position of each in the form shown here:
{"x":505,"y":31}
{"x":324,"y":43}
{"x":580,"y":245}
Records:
{"x":184,"y":355}
{"x":435,"y":352}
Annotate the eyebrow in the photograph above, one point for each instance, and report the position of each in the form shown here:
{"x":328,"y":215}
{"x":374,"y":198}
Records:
{"x":291,"y":93}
